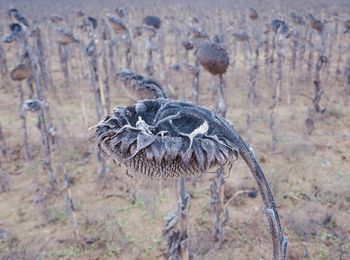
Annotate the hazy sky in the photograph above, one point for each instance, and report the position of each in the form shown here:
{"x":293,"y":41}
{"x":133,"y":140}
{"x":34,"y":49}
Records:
{"x":47,"y":7}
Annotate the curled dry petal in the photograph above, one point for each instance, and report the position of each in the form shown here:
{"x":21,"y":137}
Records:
{"x":158,"y":150}
{"x":172,"y":147}
{"x":209,"y":147}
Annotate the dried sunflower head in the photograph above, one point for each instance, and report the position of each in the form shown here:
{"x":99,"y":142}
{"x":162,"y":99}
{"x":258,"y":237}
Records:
{"x":213,"y":57}
{"x":21,"y":72}
{"x":316,"y":24}
{"x":118,"y":25}
{"x":187,"y":45}
{"x":55,"y":18}
{"x":92,"y":22}
{"x":164,"y":138}
{"x":152,"y":21}
{"x":138,"y":87}
{"x":122,"y":11}
{"x":16,"y":32}
{"x":253,"y":14}
{"x":15,"y":28}
{"x":241,"y":37}
{"x":32,"y":105}
{"x":65,"y":37}
{"x":279,"y":26}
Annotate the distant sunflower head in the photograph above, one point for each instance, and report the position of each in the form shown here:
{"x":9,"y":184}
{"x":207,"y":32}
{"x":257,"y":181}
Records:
{"x":213,"y":57}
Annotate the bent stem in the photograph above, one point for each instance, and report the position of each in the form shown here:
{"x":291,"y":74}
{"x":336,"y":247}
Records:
{"x":175,"y":227}
{"x":279,"y":241}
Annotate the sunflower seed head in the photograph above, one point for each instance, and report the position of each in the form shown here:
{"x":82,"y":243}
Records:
{"x":164,"y":138}
{"x":213,"y":58}
{"x":32,"y":105}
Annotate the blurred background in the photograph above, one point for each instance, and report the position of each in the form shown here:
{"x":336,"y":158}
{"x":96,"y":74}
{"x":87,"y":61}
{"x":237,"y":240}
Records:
{"x":286,"y":91}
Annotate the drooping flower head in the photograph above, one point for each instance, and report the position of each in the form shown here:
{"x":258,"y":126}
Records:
{"x":213,"y":57}
{"x":164,"y":138}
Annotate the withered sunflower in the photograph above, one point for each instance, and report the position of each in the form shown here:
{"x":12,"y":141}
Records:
{"x":165,"y":138}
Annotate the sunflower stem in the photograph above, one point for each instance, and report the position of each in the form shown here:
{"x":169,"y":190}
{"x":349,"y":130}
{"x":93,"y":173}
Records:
{"x":175,"y":228}
{"x":220,"y":212}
